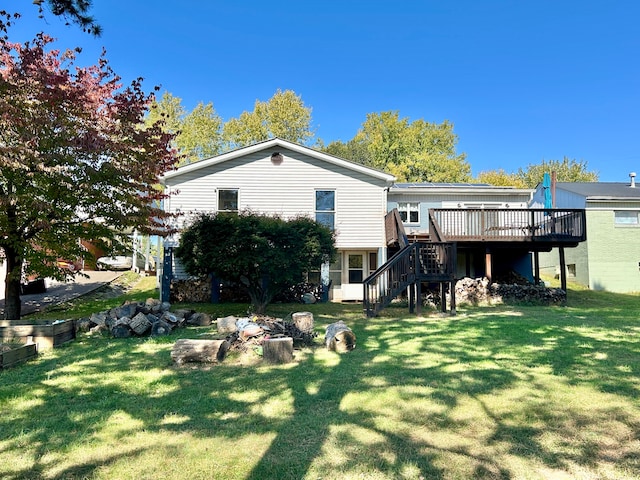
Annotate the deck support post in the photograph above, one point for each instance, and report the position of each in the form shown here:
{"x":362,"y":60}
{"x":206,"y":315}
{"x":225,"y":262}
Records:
{"x":536,"y":267}
{"x":452,"y":302}
{"x":418,"y":297}
{"x":412,"y":298}
{"x":487,"y":265}
{"x":443,"y":296}
{"x":563,"y":269}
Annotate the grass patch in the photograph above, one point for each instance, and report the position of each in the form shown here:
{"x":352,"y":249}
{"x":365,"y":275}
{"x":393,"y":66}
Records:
{"x":495,"y":392}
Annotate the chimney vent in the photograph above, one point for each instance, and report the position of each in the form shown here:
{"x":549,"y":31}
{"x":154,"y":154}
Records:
{"x":632,"y":175}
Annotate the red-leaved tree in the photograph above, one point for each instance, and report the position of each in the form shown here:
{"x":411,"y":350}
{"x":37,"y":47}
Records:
{"x":76,"y":160}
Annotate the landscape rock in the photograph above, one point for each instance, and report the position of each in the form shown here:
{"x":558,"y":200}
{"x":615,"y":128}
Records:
{"x":227,"y":324}
{"x":199,"y":319}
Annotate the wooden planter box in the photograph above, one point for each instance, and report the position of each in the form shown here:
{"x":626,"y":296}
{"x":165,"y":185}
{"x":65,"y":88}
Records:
{"x":18,"y":355}
{"x":46,"y":334}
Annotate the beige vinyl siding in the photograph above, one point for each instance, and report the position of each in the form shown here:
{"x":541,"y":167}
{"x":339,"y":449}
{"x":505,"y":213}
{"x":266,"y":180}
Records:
{"x":288,"y":189}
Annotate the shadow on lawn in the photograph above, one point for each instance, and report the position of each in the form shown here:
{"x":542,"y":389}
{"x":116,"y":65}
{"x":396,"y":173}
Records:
{"x":428,"y":372}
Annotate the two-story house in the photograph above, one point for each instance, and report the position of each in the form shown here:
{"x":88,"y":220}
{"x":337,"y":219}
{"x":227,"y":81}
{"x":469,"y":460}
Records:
{"x":277,"y":177}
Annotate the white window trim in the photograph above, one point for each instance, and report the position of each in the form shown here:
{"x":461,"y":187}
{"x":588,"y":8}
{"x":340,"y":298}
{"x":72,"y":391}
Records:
{"x":218,"y":199}
{"x":408,"y":211}
{"x":335,"y":205}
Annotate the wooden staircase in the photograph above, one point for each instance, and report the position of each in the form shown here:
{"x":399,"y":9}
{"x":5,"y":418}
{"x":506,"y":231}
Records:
{"x":415,"y":264}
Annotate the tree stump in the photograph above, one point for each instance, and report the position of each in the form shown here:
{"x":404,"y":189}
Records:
{"x":278,"y":350}
{"x":304,"y":321}
{"x":339,"y":337}
{"x":204,"y":351}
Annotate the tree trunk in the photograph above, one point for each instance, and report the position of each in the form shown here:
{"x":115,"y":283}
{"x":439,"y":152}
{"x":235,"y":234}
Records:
{"x":339,"y":337}
{"x":12,"y":302}
{"x":209,"y":351}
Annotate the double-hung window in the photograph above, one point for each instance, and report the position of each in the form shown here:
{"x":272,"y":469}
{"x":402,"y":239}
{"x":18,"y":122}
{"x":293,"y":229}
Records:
{"x":228,"y":200}
{"x":326,"y":208}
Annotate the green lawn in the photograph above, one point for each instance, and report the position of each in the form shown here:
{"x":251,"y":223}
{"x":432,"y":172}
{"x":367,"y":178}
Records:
{"x":494,"y":392}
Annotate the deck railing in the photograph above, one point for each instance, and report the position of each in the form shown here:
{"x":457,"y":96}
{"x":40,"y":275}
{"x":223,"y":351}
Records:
{"x":417,"y":262}
{"x":508,"y":225}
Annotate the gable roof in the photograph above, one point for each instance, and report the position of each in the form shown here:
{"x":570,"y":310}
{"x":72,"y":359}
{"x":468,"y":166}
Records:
{"x":275,"y":143}
{"x":601,"y":190}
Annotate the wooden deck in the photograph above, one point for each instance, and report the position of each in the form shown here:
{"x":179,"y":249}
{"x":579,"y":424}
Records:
{"x":544,"y":228}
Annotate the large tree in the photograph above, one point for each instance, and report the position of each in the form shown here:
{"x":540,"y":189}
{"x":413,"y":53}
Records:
{"x":284,"y":115}
{"x":76,"y":161}
{"x":417,"y":151}
{"x":264,"y":254}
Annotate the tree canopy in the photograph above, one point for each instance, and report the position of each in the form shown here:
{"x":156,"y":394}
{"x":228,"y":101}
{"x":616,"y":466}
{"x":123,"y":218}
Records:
{"x":417,"y":151}
{"x":75,"y":11}
{"x":76,"y":161}
{"x":265,"y":254}
{"x":197,"y":134}
{"x":567,"y":170}
{"x":284,"y":115}
{"x":501,"y":178}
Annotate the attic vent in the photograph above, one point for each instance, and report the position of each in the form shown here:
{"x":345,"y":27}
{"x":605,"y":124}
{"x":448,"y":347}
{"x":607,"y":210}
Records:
{"x":632,"y":175}
{"x":276,"y":158}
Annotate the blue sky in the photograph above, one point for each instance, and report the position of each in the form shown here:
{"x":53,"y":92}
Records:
{"x":521,"y":80}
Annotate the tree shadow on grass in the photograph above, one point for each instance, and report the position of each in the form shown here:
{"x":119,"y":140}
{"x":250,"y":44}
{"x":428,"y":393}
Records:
{"x":384,"y":409}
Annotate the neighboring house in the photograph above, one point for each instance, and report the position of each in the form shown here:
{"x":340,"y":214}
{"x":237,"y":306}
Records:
{"x":610,"y":258}
{"x":283,"y":178}
{"x":414,"y":200}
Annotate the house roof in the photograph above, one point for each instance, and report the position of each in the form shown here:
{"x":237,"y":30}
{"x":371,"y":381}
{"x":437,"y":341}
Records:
{"x":601,"y":190}
{"x":471,"y":188}
{"x":279,"y":143}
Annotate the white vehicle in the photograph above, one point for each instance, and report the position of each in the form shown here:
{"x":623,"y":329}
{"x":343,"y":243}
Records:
{"x":123,"y":262}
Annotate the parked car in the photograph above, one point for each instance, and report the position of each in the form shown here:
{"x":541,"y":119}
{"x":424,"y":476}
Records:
{"x":123,"y":262}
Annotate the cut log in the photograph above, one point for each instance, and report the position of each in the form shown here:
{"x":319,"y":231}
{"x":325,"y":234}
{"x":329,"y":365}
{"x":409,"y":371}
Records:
{"x":121,"y":331}
{"x":199,"y":319}
{"x":304,"y":321}
{"x":339,"y":337}
{"x":160,"y":328}
{"x":140,"y":324}
{"x":278,"y":350}
{"x":203,"y":351}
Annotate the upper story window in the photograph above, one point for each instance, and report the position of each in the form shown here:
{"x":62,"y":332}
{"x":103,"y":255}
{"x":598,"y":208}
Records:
{"x":326,"y":207}
{"x":626,"y":218}
{"x":228,"y":200}
{"x":409,"y":212}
